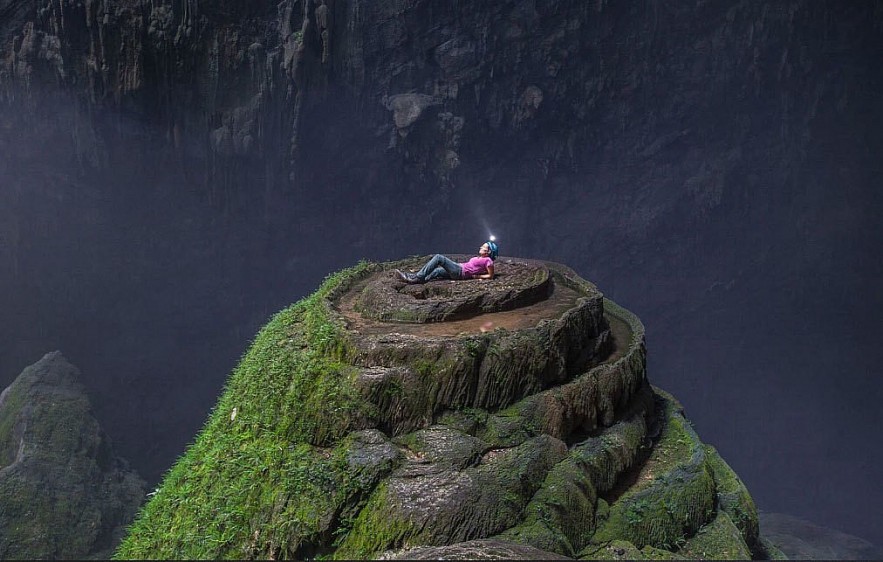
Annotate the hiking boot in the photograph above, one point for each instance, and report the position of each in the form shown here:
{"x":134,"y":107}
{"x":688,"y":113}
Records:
{"x":408,"y":278}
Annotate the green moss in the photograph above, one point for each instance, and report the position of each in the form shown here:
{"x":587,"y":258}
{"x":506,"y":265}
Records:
{"x":560,"y":516}
{"x":559,"y":513}
{"x":467,"y":420}
{"x":9,"y":413}
{"x":624,"y":550}
{"x":423,"y":367}
{"x":256,"y":482}
{"x":733,"y":497}
{"x":538,"y":534}
{"x":377,"y":528}
{"x":33,"y":517}
{"x":718,"y":540}
{"x":475,"y":346}
{"x":672,"y":495}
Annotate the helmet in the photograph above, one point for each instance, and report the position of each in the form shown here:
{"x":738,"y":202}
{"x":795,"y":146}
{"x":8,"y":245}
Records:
{"x":493,"y":249}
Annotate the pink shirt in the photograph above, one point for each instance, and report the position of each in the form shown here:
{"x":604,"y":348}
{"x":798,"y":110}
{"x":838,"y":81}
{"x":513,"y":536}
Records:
{"x":476,"y":266}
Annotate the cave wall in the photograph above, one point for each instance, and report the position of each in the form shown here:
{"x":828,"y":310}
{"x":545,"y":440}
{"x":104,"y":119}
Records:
{"x":172,"y":172}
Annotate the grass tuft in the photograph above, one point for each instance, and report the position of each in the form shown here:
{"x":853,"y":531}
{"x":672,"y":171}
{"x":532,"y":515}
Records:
{"x":266,"y":476}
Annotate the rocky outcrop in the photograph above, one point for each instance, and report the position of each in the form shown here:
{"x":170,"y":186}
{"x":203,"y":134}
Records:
{"x":518,"y":284}
{"x":525,"y":430}
{"x":64,"y":494}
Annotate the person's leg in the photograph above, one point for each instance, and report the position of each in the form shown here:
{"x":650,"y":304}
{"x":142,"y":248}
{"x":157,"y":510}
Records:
{"x":453,"y":269}
{"x":438,"y":273}
{"x":449,"y":266}
{"x":429,"y":267}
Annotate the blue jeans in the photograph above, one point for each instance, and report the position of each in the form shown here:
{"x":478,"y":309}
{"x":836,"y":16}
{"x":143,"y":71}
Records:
{"x":440,"y":267}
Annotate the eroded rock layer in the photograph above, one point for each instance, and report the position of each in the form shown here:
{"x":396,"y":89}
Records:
{"x":508,"y":416}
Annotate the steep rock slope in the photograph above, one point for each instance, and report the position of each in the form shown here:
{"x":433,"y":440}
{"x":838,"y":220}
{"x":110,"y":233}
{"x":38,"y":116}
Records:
{"x":507,"y":416}
{"x":64,"y":494}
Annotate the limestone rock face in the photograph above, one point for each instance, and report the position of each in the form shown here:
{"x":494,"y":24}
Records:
{"x":436,"y":84}
{"x":522,"y":427}
{"x":63,"y":492}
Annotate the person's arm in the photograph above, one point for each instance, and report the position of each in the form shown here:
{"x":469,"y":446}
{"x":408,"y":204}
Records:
{"x":489,"y":274}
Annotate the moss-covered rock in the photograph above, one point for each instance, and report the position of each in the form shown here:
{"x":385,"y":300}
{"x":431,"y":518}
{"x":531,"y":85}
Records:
{"x":63,"y":491}
{"x":733,"y":497}
{"x":384,"y":297}
{"x":430,"y":502}
{"x":343,"y":436}
{"x":482,"y":549}
{"x":671,"y":495}
{"x":624,"y":550}
{"x":720,"y":539}
{"x":561,"y":515}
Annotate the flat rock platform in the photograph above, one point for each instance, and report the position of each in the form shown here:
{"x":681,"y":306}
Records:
{"x":523,"y":293}
{"x":516,"y":284}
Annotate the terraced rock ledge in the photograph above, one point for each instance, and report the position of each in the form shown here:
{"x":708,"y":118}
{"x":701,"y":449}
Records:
{"x":510,"y":417}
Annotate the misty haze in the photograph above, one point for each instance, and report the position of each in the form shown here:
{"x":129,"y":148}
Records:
{"x":174,"y":173}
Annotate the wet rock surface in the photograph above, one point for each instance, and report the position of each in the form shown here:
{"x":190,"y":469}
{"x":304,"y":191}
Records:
{"x":521,"y":438}
{"x":486,"y":549}
{"x":541,"y":439}
{"x":414,"y":376}
{"x":516,"y":284}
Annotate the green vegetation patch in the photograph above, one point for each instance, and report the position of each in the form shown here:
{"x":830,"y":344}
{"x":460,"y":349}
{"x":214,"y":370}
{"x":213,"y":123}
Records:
{"x":624,"y":550}
{"x":671,"y":496}
{"x":478,"y":502}
{"x":562,"y":511}
{"x":537,"y":533}
{"x":634,"y":323}
{"x":561,"y":515}
{"x":733,"y":497}
{"x":378,"y":527}
{"x":13,"y":401}
{"x":67,"y":508}
{"x":718,"y":540}
{"x":264,"y":477}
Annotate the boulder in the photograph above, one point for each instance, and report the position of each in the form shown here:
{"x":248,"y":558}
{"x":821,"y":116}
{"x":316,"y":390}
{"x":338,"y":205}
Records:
{"x":64,"y":493}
